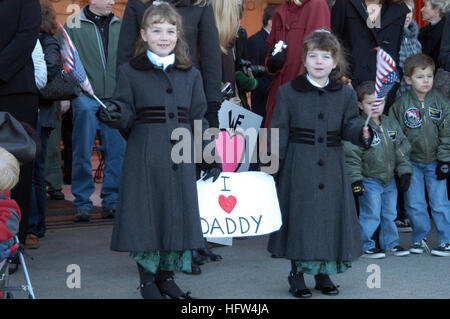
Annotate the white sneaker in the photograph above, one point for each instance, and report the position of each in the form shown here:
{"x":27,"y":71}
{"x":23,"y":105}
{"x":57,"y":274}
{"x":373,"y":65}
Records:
{"x":419,"y":247}
{"x":443,"y":250}
{"x":374,"y":253}
{"x":399,"y":251}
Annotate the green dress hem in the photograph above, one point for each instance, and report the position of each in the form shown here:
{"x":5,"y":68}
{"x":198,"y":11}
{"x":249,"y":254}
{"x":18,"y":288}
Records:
{"x":322,"y":267}
{"x":152,"y":261}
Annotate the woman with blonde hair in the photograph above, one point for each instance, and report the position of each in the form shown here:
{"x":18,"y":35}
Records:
{"x":9,"y":170}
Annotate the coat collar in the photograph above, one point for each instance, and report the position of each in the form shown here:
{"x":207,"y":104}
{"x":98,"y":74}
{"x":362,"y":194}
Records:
{"x":142,"y":63}
{"x":302,"y":84}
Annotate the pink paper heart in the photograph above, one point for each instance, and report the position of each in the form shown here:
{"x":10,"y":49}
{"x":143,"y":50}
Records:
{"x":231,"y":149}
{"x":227,"y":203}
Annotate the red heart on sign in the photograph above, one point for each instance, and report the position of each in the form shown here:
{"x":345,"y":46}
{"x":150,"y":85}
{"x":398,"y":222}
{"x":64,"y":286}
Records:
{"x":227,"y":203}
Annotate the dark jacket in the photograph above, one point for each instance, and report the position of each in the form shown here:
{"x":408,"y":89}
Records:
{"x":200,"y":32}
{"x":158,"y":205}
{"x":349,"y":23}
{"x":430,"y":37}
{"x":257,"y":52}
{"x":48,"y":108}
{"x":316,"y":201}
{"x":444,"y":57}
{"x":20,"y":21}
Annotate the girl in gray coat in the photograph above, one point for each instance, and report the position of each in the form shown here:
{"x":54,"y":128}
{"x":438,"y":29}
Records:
{"x":314,"y":112}
{"x":157,"y":218}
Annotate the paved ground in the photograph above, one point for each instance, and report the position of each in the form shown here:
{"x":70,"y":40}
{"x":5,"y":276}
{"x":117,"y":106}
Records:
{"x":247,"y":271}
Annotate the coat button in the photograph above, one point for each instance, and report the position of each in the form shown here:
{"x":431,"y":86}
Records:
{"x":169,"y":90}
{"x":174,"y":167}
{"x":320,"y":140}
{"x":320,"y":163}
{"x":321,"y":186}
{"x":171,"y":115}
{"x":321,"y":116}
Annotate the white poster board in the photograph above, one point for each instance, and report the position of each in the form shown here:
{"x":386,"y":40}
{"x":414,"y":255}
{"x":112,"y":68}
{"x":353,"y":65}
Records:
{"x":239,"y":205}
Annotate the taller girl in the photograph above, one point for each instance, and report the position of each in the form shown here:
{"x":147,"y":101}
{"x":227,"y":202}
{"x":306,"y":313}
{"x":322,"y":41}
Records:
{"x":314,"y":112}
{"x":292,"y":22}
{"x":157,"y":218}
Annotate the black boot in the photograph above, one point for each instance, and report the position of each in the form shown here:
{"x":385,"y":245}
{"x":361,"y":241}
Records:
{"x":148,"y":287}
{"x":297,"y":283}
{"x":208,"y":254}
{"x":168,"y":287}
{"x":324,"y":284}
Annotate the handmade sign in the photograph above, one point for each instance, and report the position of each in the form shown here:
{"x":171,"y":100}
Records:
{"x":239,"y":204}
{"x":242,"y":127}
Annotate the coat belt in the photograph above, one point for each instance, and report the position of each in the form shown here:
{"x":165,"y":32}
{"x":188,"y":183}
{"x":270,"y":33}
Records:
{"x":308,"y":136}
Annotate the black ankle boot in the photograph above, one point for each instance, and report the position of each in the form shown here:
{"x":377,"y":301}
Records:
{"x":167,"y":286}
{"x":324,"y":284}
{"x":148,"y":287}
{"x":297,"y":286}
{"x":208,"y":254}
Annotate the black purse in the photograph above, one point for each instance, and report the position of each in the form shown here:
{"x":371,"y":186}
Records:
{"x":62,"y":86}
{"x":15,"y":139}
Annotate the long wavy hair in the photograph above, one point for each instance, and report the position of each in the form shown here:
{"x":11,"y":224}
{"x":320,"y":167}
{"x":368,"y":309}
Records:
{"x":326,"y":41}
{"x":165,"y":12}
{"x":48,"y":13}
{"x":226,"y":14}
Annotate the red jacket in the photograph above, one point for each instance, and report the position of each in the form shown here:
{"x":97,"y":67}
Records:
{"x":9,"y":217}
{"x":293,"y":24}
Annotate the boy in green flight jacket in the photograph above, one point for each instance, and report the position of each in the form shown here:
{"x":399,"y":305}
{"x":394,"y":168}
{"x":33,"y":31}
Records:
{"x":372,"y":175}
{"x":424,"y":116}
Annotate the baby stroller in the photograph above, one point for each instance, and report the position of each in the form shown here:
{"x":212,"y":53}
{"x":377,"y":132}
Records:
{"x":6,"y":258}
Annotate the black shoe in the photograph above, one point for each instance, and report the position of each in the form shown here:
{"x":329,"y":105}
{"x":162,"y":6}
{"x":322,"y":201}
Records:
{"x":149,"y":290}
{"x":82,"y":215}
{"x":297,"y":286}
{"x":56,"y":195}
{"x":168,"y":287}
{"x":197,"y":257}
{"x":108,"y":213}
{"x":209,"y":255}
{"x":325,"y":285}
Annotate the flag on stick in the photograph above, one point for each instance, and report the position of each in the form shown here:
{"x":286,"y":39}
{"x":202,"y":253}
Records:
{"x":385,"y":78}
{"x":72,"y":63}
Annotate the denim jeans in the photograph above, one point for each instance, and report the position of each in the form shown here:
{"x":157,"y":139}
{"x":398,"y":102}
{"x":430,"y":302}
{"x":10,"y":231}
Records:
{"x":38,"y":200}
{"x":85,"y":125}
{"x":416,"y":204}
{"x":378,"y":207}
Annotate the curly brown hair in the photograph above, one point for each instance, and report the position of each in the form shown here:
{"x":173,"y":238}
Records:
{"x":48,"y":24}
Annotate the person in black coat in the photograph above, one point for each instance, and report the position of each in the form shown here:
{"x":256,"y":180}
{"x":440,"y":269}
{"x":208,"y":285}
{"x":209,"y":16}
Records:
{"x":201,"y":34}
{"x":363,"y":25}
{"x":257,"y":52}
{"x":444,"y":54}
{"x":20,"y":21}
{"x":434,"y":12}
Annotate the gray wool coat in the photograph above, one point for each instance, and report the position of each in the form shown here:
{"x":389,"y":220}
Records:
{"x":158,"y":205}
{"x":314,"y":190}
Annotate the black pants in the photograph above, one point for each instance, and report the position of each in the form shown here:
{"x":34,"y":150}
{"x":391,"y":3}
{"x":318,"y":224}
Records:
{"x":24,"y":107}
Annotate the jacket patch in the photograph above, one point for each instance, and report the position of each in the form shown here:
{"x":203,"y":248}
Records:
{"x":413,"y":118}
{"x":376,"y":138}
{"x":435,"y":114}
{"x":393,"y":135}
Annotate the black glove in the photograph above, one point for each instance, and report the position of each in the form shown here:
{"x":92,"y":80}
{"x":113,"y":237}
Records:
{"x":276,"y":62}
{"x":212,"y":114}
{"x":358,"y":188}
{"x":110,"y":114}
{"x":404,"y":182}
{"x":213,"y":171}
{"x":442,"y":170}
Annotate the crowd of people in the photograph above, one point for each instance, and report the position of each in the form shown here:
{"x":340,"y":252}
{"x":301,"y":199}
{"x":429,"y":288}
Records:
{"x":345,"y":188}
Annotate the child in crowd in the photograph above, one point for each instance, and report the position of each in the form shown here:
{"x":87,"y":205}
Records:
{"x":313,"y":114}
{"x":372,"y":175}
{"x":159,"y":90}
{"x":9,"y":210}
{"x":410,"y":44}
{"x":424,"y":116}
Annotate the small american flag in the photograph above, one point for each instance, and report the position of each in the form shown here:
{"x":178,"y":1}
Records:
{"x":385,"y":77}
{"x":72,"y":62}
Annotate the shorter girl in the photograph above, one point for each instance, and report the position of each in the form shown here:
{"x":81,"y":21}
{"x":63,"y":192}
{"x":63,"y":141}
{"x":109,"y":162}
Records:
{"x":157,"y":218}
{"x":314,"y":112}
